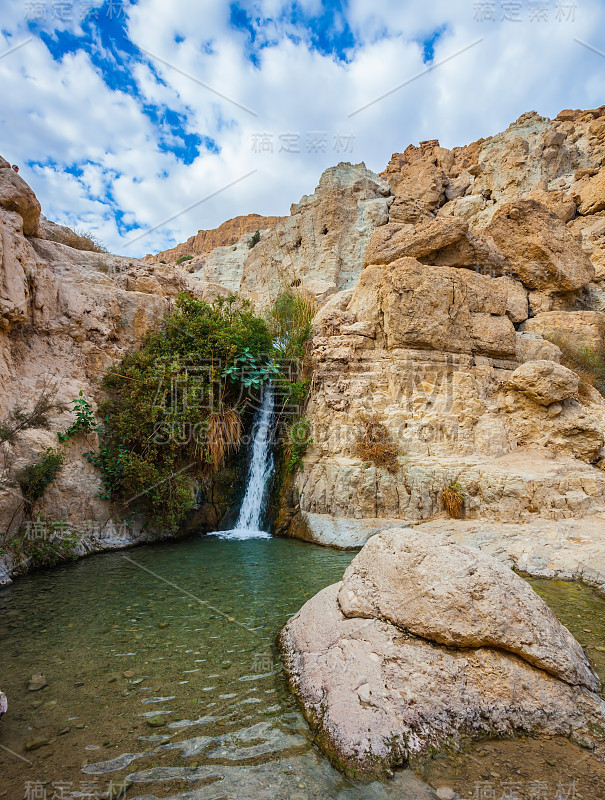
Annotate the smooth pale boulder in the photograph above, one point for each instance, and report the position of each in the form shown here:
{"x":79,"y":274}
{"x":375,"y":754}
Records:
{"x":545,"y":382}
{"x":375,"y":697}
{"x":459,"y":597}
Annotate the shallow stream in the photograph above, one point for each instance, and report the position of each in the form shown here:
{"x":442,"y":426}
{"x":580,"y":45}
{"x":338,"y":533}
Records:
{"x":161,"y":666}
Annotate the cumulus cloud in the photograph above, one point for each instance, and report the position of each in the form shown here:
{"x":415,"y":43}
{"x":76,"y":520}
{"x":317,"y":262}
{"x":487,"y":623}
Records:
{"x":117,"y":128}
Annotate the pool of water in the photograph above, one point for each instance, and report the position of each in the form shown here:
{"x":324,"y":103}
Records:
{"x":161,"y":666}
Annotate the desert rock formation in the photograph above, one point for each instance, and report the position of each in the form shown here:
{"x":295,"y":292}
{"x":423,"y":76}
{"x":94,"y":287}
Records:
{"x":385,"y":669}
{"x":457,"y":338}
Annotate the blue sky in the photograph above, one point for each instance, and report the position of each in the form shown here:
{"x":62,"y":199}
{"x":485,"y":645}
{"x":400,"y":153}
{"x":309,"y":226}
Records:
{"x":123,"y":114}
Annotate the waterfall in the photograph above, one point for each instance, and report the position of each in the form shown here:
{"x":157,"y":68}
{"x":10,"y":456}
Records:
{"x":259,"y":472}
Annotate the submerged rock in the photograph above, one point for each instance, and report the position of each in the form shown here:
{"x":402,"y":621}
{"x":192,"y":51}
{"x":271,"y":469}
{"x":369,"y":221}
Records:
{"x":413,"y":650}
{"x":36,"y":682}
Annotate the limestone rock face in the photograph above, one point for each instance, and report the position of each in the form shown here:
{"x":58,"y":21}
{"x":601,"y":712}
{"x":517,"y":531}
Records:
{"x":492,"y":258}
{"x":538,"y":248}
{"x":438,"y":308}
{"x":460,"y":597}
{"x":545,"y":381}
{"x":66,"y":316}
{"x":319,"y":247}
{"x":226,"y":234}
{"x":592,"y":195}
{"x":395,"y":240}
{"x":16,"y":195}
{"x":579,"y":328}
{"x":376,"y":695}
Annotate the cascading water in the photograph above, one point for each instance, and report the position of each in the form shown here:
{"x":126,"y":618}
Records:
{"x":260,"y":471}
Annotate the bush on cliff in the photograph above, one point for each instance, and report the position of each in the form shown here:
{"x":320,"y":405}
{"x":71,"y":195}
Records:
{"x":174,"y":407}
{"x":374,"y":444}
{"x":290,"y":318}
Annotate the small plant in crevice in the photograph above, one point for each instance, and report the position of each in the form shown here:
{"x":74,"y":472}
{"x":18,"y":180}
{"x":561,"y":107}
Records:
{"x":20,"y":420}
{"x":254,"y":240}
{"x":34,"y":479}
{"x":182,"y":259}
{"x":453,"y":500}
{"x":88,"y":241}
{"x":374,"y":443}
{"x":299,"y":438}
{"x":84,"y":422}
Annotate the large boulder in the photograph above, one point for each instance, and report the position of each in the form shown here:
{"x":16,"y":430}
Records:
{"x":539,"y":249}
{"x":592,"y":194}
{"x":460,"y":597}
{"x":394,"y":240}
{"x":545,"y":382}
{"x":439,"y":308}
{"x":16,"y":195}
{"x":367,"y":662}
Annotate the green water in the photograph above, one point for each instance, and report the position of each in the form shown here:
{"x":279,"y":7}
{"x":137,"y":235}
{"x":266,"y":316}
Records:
{"x":581,"y":610}
{"x":182,"y":634}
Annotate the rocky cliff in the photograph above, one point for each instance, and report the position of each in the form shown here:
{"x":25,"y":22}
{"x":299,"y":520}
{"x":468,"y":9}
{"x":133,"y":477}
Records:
{"x":66,"y":316}
{"x":205,"y":241}
{"x":476,"y":297}
{"x":462,"y":299}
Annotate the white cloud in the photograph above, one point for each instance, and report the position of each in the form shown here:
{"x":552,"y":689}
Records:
{"x":63,"y":113}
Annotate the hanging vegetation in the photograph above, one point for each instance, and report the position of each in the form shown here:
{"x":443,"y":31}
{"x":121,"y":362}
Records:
{"x":174,"y":407}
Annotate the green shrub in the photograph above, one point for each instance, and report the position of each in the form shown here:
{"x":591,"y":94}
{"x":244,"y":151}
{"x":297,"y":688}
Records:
{"x":180,"y":259}
{"x":290,"y":318}
{"x":85,"y":421}
{"x":174,"y":407}
{"x":35,"y":478}
{"x":254,"y":240}
{"x":299,"y":438}
{"x":43,"y":543}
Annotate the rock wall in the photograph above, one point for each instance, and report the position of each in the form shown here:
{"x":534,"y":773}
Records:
{"x":490,"y":252}
{"x":205,"y":241}
{"x":66,"y":317}
{"x":319,"y":247}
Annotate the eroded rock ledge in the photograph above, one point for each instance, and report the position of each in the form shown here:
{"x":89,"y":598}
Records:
{"x":425,"y":642}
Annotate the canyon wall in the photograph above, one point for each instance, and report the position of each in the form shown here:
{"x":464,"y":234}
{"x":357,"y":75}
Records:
{"x":491,"y":254}
{"x":67,"y":316}
{"x":453,"y":289}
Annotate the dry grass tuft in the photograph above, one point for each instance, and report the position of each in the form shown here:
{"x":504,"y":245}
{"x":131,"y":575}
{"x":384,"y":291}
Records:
{"x":589,"y":364}
{"x":453,"y":500}
{"x":223,"y":435}
{"x":374,"y":443}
